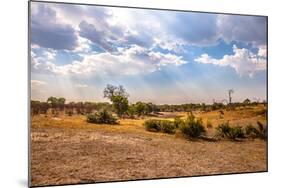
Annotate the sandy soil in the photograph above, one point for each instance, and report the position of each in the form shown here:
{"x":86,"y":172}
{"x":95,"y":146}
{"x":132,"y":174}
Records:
{"x":69,"y":154}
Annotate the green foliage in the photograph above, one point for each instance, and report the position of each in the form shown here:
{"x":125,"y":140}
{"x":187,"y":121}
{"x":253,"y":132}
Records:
{"x":152,"y":125}
{"x":102,"y":117}
{"x":256,"y":132}
{"x":223,"y":129}
{"x":237,"y":132}
{"x":167,"y":126}
{"x":131,"y":111}
{"x":178,"y":122}
{"x":251,"y":131}
{"x":119,"y":98}
{"x":155,"y":125}
{"x":192,"y":127}
{"x":226,"y":131}
{"x":120,"y":104}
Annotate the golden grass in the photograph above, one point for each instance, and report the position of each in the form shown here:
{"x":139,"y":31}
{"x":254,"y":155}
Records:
{"x":67,"y":149}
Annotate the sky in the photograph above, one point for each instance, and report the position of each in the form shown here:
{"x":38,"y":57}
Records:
{"x":164,"y":57}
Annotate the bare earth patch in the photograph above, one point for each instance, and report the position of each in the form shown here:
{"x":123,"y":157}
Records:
{"x":63,"y":153}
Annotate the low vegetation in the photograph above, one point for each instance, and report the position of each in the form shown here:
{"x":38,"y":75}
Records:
{"x":155,"y":125}
{"x":224,"y":130}
{"x":260,"y":131}
{"x":192,"y":127}
{"x":102,"y":117}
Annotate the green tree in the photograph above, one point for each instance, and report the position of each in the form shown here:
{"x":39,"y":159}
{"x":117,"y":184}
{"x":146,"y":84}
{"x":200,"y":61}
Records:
{"x":61,"y":103}
{"x":140,"y":108}
{"x":54,"y":104}
{"x":119,"y":97}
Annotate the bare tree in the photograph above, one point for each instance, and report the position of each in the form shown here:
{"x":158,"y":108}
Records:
{"x":230,"y":91}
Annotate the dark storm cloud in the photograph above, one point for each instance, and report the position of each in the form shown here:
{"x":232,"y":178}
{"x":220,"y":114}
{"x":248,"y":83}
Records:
{"x":90,"y":32}
{"x":47,"y":32}
{"x":249,"y":29}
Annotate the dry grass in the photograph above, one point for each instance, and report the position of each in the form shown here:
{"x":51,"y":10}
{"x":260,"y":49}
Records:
{"x":69,"y":150}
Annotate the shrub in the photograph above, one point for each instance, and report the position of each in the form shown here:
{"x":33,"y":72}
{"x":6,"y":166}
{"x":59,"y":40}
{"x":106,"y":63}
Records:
{"x":236,"y":132}
{"x":256,"y":132}
{"x":178,"y":121}
{"x":164,"y":126}
{"x":251,"y":131}
{"x":102,"y":117}
{"x":152,"y":125}
{"x":192,"y":127}
{"x":223,"y":129}
{"x":226,"y":131}
{"x":167,"y":126}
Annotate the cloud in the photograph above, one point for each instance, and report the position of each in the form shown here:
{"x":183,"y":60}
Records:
{"x":243,"y":61}
{"x":262,"y":51}
{"x":89,"y":31}
{"x":249,"y":29}
{"x":193,"y":28}
{"x":128,"y":61}
{"x":37,"y":83}
{"x":81,"y":85}
{"x":48,"y":31}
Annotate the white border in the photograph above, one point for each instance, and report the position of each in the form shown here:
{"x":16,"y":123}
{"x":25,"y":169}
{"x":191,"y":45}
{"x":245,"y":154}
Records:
{"x":13,"y":110}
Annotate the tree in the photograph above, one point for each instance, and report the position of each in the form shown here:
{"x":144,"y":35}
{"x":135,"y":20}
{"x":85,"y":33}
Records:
{"x":229,"y":95}
{"x":54,"y":103}
{"x":119,"y":97}
{"x":44,"y":106}
{"x":140,"y":108}
{"x":112,"y":90}
{"x":120,"y":104}
{"x":79,"y":106}
{"x":61,"y":103}
{"x":35,"y":107}
{"x":247,"y":101}
{"x":131,"y":110}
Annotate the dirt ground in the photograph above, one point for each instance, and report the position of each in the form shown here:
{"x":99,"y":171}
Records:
{"x":68,"y":150}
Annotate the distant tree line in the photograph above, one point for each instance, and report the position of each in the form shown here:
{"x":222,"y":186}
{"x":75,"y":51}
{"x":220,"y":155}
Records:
{"x":120,"y":105}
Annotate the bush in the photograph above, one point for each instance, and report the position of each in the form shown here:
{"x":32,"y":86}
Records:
{"x":167,"y":126}
{"x":256,"y":132}
{"x":164,"y":126}
{"x":178,"y":121}
{"x":192,"y":127}
{"x":251,"y":131}
{"x":223,"y":129}
{"x":102,"y":117}
{"x":226,"y":131}
{"x":236,"y":132}
{"x":152,"y":125}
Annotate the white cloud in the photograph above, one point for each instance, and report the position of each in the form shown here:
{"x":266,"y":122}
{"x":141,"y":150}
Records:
{"x":81,"y":85}
{"x":37,"y":83}
{"x":262,"y":51}
{"x":83,"y":45}
{"x":243,"y":61}
{"x":50,"y":55}
{"x":127,"y":61}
